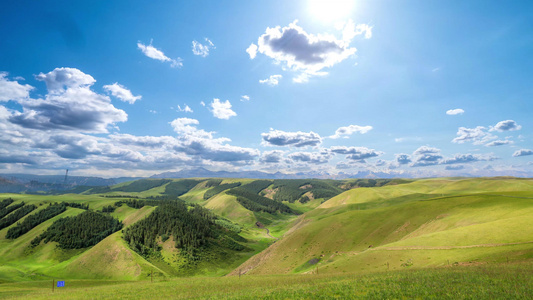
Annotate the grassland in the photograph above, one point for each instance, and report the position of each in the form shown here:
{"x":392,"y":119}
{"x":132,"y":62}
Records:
{"x":500,"y":281}
{"x":448,"y":238}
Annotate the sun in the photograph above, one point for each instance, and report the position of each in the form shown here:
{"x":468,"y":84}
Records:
{"x":330,"y":10}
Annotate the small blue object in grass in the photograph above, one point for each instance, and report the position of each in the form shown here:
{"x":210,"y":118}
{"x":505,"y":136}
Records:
{"x":61,"y":284}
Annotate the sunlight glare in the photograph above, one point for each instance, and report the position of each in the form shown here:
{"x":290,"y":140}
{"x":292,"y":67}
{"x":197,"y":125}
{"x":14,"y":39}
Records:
{"x":330,"y":10}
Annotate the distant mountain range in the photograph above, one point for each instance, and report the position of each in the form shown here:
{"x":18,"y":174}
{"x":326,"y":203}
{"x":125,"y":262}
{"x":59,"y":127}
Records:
{"x":29,"y":183}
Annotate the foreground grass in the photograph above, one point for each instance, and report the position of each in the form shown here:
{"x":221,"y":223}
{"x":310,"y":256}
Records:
{"x":473,"y":282}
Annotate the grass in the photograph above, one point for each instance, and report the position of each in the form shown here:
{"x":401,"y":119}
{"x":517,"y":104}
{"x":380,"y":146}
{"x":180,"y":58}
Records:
{"x":500,"y":281}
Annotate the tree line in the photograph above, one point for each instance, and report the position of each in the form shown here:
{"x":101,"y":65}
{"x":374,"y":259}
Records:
{"x":256,"y":202}
{"x":35,"y":219}
{"x":16,"y":215}
{"x":84,"y":230}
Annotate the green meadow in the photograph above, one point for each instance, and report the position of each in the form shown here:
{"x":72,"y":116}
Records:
{"x":445,"y":238}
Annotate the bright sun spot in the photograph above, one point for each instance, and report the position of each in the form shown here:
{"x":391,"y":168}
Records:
{"x":330,"y":10}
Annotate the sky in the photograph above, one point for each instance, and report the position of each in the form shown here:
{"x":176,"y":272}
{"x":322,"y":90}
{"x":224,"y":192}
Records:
{"x":394,"y":88}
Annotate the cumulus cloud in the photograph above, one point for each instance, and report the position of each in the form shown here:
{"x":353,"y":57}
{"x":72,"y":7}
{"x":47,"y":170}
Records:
{"x":476,"y":135}
{"x":507,"y":125}
{"x":355,"y":153}
{"x":69,"y":105}
{"x":346,"y":131}
{"x":467,"y":158}
{"x":245,"y":98}
{"x":157,"y":54}
{"x":499,"y":143}
{"x":252,"y":50}
{"x":272,"y":80}
{"x":187,"y":126}
{"x":426,"y":156}
{"x":453,"y":112}
{"x":309,"y":157}
{"x":12,"y":90}
{"x":274,"y":156}
{"x":403,"y":159}
{"x":121,"y":93}
{"x":307,"y":53}
{"x":222,"y":110}
{"x":523,"y":152}
{"x":294,"y":139}
{"x":63,"y":78}
{"x":202,"y":49}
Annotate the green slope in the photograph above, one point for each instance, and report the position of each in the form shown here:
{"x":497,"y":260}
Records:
{"x":366,"y":228}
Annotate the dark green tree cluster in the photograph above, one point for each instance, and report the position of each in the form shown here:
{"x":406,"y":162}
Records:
{"x":257,"y":186}
{"x":142,"y":185}
{"x":35,"y":219}
{"x":191,"y":228}
{"x":108,"y":209}
{"x":212,"y":182}
{"x":292,"y":189}
{"x":178,"y":188}
{"x":77,"y":205}
{"x":134,"y":203}
{"x":119,"y":196}
{"x":304,"y":199}
{"x":16,"y":215}
{"x":219,"y":189}
{"x":84,"y":230}
{"x":6,"y":210}
{"x":255,"y":202}
{"x":6,"y":202}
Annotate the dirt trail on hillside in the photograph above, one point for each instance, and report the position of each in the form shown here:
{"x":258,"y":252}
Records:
{"x":268,"y":233}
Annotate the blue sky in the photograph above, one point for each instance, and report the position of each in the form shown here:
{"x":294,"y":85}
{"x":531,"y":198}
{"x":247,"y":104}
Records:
{"x":131,"y":88}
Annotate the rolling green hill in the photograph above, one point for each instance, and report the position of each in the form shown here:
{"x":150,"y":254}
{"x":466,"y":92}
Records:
{"x":276,"y":227}
{"x":426,"y":223}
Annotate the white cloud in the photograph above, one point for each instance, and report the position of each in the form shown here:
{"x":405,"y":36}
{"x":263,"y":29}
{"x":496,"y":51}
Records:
{"x":272,"y":80}
{"x":476,"y":135}
{"x":274,"y":156}
{"x":499,"y":143}
{"x":12,"y":90}
{"x":355,"y":153}
{"x":202,"y":103}
{"x":508,"y":125}
{"x":304,"y":52}
{"x":185,"y":108}
{"x":63,"y":78}
{"x":467,"y":158}
{"x":252,"y":50}
{"x":187,"y":126}
{"x":403,"y":159}
{"x":121,"y":93}
{"x":310,"y":157}
{"x":295,"y":139}
{"x":69,"y":105}
{"x":523,"y":152}
{"x":157,"y":54}
{"x":453,"y":112}
{"x":346,"y":131}
{"x":350,"y":30}
{"x":245,"y":98}
{"x":222,"y":110}
{"x":201,"y":49}
{"x":426,"y":156}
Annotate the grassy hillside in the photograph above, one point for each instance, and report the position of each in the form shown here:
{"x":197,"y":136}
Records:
{"x":427,"y":223}
{"x":363,"y":226}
